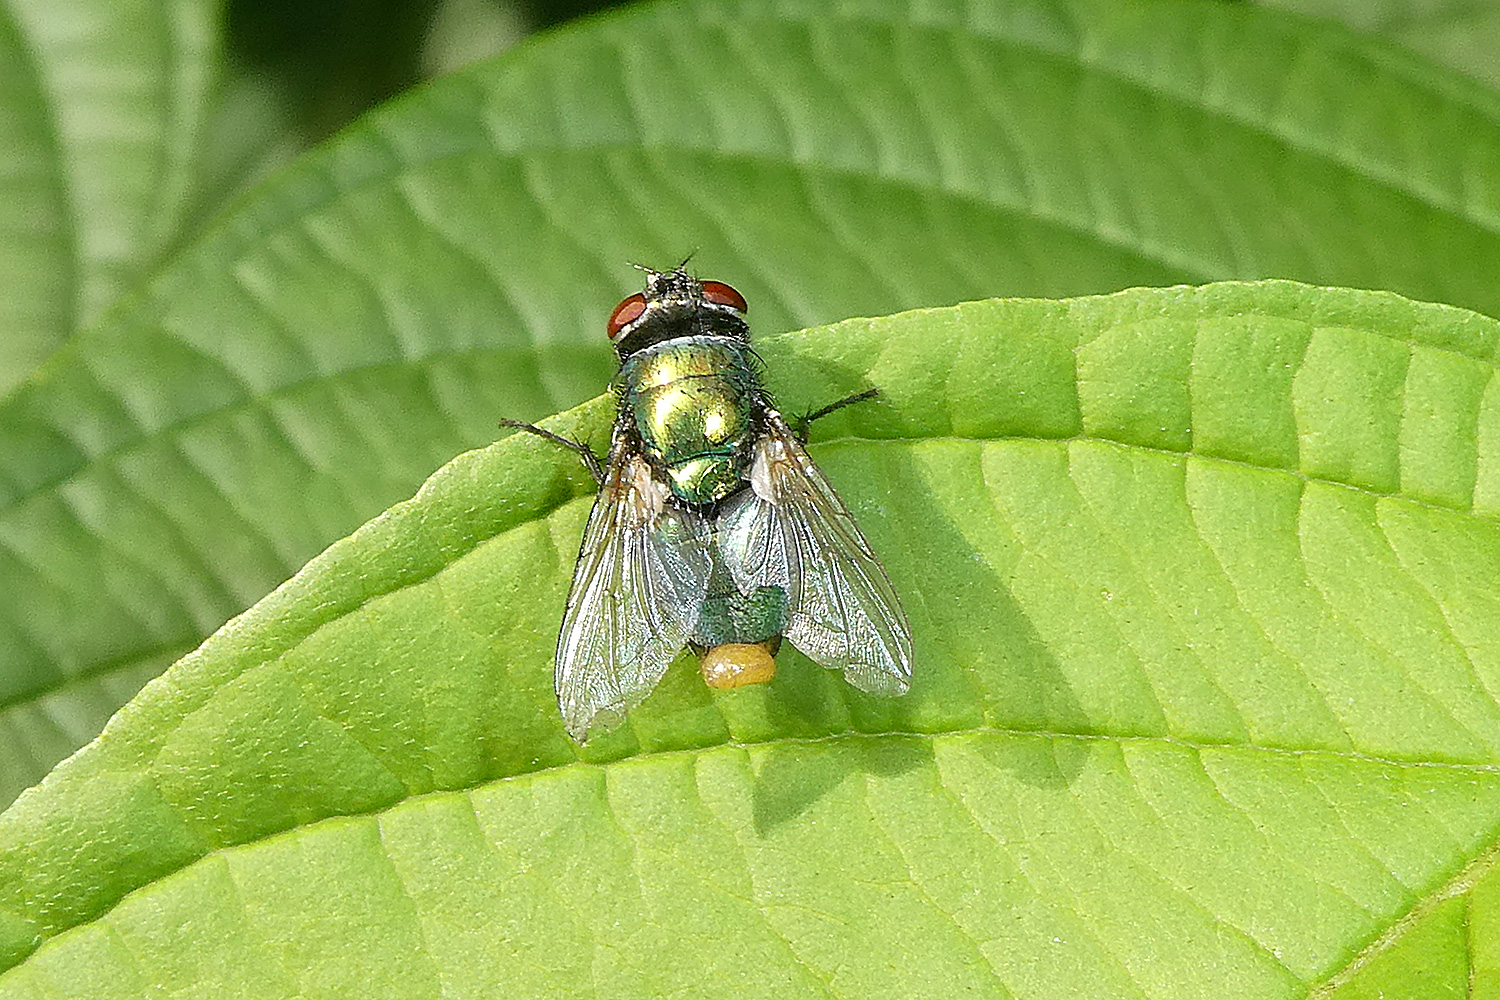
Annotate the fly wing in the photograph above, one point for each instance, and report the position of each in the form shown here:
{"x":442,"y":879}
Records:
{"x":791,"y":530}
{"x":641,"y":577}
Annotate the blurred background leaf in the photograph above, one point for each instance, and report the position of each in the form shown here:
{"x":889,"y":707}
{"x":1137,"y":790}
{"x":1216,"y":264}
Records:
{"x":124,"y":127}
{"x":1460,"y":34}
{"x":102,"y":107}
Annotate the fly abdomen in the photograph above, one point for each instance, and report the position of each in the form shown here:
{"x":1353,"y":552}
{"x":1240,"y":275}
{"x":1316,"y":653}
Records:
{"x":738,"y":634}
{"x":730,"y":616}
{"x":691,"y":402}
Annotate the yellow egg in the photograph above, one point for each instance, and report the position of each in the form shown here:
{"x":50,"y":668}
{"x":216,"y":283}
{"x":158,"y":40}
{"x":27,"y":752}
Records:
{"x":736,"y":664}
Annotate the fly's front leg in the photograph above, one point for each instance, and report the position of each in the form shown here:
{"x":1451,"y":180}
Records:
{"x":590,"y":460}
{"x":801,"y":425}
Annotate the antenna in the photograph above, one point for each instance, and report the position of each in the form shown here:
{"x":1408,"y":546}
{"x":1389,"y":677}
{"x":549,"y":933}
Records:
{"x":654,"y":273}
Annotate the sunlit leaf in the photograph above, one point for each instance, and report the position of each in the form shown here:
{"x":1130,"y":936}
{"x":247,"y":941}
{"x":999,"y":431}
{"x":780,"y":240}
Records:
{"x":1207,"y":640}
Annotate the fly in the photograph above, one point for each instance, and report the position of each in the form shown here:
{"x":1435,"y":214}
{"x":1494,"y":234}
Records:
{"x":712,"y":527}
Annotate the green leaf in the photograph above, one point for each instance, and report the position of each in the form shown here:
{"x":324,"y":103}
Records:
{"x":373,"y":310}
{"x":1207,"y":648}
{"x":1461,"y":34}
{"x":101,"y":105}
{"x":35,"y":313}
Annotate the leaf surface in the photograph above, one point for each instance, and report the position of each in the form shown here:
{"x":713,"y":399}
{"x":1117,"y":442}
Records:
{"x":101,"y":107}
{"x":1201,"y":584}
{"x":1460,"y":34}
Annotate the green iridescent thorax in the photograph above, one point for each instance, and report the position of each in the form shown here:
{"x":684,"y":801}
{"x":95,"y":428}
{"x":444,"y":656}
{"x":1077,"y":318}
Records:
{"x":691,"y":400}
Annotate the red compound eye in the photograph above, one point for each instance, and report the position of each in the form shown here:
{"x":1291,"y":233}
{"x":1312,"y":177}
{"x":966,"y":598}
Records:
{"x":625,"y":313}
{"x":721,"y":294}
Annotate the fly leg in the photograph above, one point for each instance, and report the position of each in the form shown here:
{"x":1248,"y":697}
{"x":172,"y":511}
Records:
{"x":801,"y":425}
{"x":590,"y":460}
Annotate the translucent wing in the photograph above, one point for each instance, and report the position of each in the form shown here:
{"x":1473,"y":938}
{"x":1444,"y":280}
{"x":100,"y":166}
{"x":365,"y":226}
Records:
{"x":642,"y":573}
{"x":791,"y":530}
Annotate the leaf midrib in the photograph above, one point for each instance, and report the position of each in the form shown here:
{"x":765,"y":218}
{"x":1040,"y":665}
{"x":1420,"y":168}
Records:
{"x":1473,"y":870}
{"x":263,"y":401}
{"x":1487,"y":853}
{"x":124,"y":663}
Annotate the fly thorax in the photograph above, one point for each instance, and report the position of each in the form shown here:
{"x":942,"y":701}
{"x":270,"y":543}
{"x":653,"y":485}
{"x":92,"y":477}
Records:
{"x":691,"y":401}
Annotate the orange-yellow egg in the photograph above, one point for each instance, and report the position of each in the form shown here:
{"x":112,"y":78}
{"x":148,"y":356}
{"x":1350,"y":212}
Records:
{"x":736,"y":664}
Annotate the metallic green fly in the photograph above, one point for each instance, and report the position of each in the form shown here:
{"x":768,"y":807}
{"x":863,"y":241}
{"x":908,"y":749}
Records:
{"x":712,"y":528}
